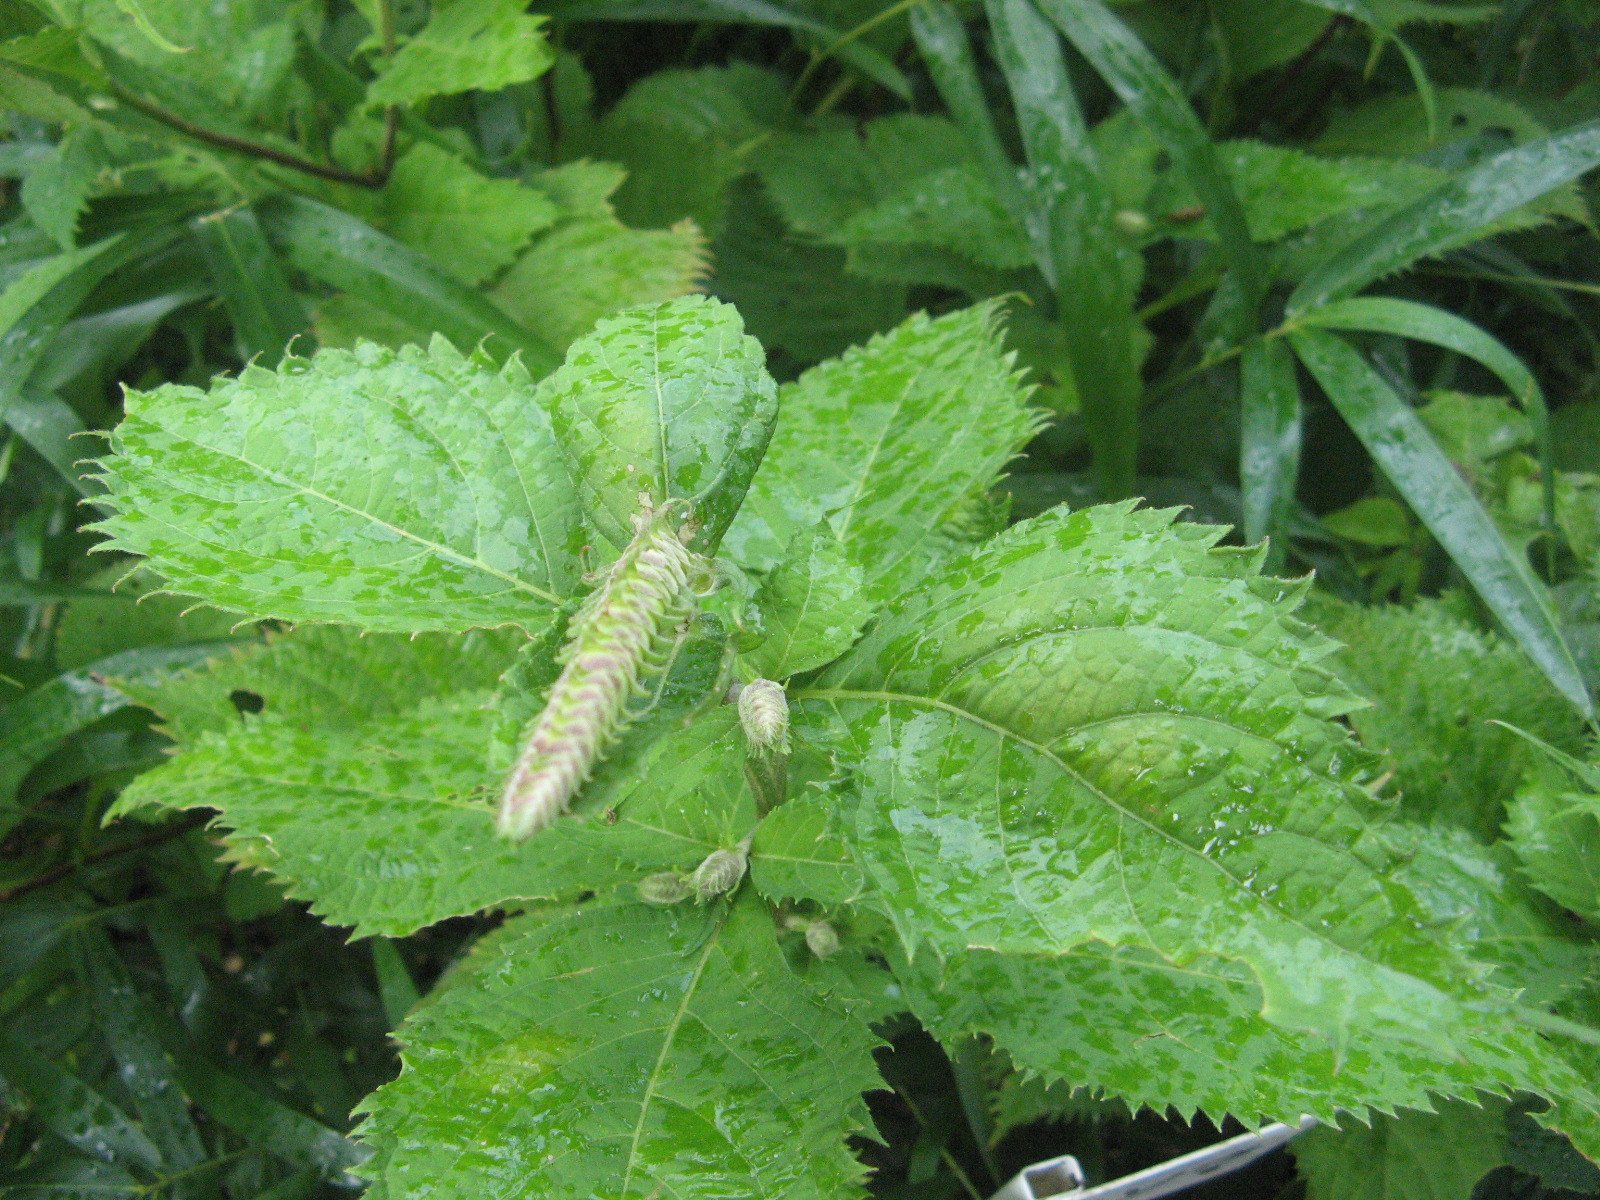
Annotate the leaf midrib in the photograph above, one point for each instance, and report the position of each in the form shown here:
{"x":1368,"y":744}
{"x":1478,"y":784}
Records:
{"x":658,"y":1069}
{"x":416,"y":539}
{"x":1045,"y":752}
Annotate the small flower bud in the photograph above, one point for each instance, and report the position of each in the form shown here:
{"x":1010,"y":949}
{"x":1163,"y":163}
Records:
{"x":1133,"y":222}
{"x":666,"y":888}
{"x":764,"y":713}
{"x":822,"y":938}
{"x":719,"y":873}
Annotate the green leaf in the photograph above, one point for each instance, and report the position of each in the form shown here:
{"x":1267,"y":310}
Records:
{"x":1284,"y":189}
{"x":1395,"y":436}
{"x":373,"y":800}
{"x":1554,"y":827}
{"x":811,"y":606}
{"x":886,"y":443}
{"x":347,"y":253}
{"x":266,"y":315}
{"x":1261,"y":34}
{"x":629,"y":1052}
{"x":872,"y":64}
{"x":800,"y":852}
{"x":466,"y":44}
{"x":467,"y":222}
{"x":822,"y":181}
{"x":1437,"y":682}
{"x":380,"y":676}
{"x":672,"y":403}
{"x":590,"y":265}
{"x":1452,"y":214}
{"x":1477,"y":895}
{"x":98,"y":624}
{"x":386,"y":827}
{"x":794,"y":294}
{"x":36,"y":304}
{"x":58,"y":187}
{"x":1411,"y":1156}
{"x":1032,"y":739}
{"x":405,"y":492}
{"x":129,"y":1025}
{"x":1126,"y":1023}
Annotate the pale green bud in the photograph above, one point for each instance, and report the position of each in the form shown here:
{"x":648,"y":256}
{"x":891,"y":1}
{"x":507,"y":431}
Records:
{"x":822,"y":938}
{"x":764,"y":713}
{"x":719,"y":873}
{"x":1133,"y":222}
{"x":669,"y":887}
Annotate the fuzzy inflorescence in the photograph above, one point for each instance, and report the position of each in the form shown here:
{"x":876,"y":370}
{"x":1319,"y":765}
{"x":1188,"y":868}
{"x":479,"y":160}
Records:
{"x":613,"y":640}
{"x":764,"y":714}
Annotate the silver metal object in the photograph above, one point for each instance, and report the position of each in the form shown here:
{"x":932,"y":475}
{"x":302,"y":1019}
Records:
{"x":1052,"y":1177}
{"x":1063,"y":1177}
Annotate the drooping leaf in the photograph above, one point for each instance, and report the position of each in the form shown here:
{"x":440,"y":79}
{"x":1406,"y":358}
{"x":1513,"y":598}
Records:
{"x":629,"y":1050}
{"x":811,"y":606}
{"x":345,"y":252}
{"x":1396,"y":437}
{"x":885,"y":443}
{"x":672,"y":403}
{"x":34,"y":724}
{"x":466,"y":44}
{"x":406,"y":492}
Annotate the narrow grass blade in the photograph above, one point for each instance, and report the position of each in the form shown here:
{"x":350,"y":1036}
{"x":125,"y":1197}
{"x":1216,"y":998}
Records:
{"x":1472,"y":200}
{"x":942,"y":41}
{"x":1269,"y":446}
{"x":1092,"y":269}
{"x":1400,"y":443}
{"x":266,"y":315}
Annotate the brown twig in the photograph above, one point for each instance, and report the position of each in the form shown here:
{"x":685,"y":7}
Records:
{"x":160,"y":836}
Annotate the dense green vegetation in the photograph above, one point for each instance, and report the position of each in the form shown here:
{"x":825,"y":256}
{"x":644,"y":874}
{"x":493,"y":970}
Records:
{"x":1138,"y":463}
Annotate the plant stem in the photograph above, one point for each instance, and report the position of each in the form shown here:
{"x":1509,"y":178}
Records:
{"x":374,"y":177}
{"x":157,"y":838}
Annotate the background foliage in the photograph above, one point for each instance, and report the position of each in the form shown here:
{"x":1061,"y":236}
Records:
{"x":1207,"y":185}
